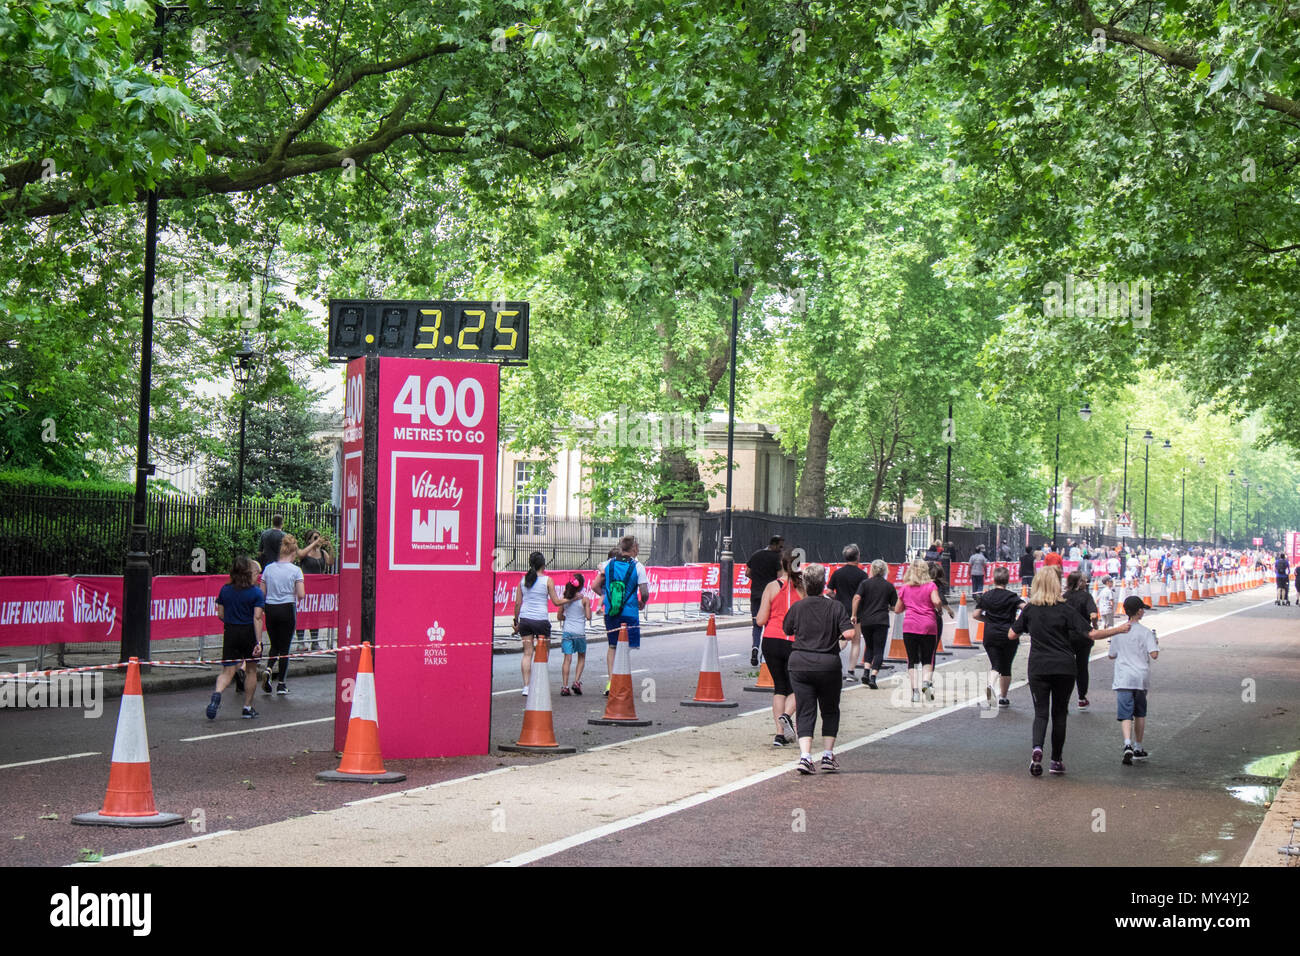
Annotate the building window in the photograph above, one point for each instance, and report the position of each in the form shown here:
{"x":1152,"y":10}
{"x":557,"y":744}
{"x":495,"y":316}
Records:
{"x":530,"y":509}
{"x":608,"y":530}
{"x":919,"y":535}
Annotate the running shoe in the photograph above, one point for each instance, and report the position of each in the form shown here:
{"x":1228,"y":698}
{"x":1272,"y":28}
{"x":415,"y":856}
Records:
{"x":213,"y":706}
{"x":778,"y":741}
{"x":266,"y":681}
{"x":830,"y":764}
{"x":1083,"y":703}
{"x":989,"y":695}
{"x":1003,"y":702}
{"x":1036,"y":762}
{"x":788,"y":724}
{"x":916,"y":696}
{"x":606,"y":688}
{"x":805,"y":766}
{"x":1128,"y":755}
{"x":523,"y":692}
{"x":929,"y":690}
{"x":1057,"y":768}
{"x":249,"y":713}
{"x":565,"y":692}
{"x":281,"y":689}
{"x":753,"y":657}
{"x":1139,"y":753}
{"x":239,"y":681}
{"x":871,"y":682}
{"x":577,"y":687}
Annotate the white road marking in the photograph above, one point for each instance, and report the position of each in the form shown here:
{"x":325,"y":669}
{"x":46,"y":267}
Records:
{"x":257,"y":730}
{"x":28,"y":763}
{"x":160,"y":846}
{"x":578,"y":839}
{"x":725,"y":656}
{"x":517,"y":690}
{"x":432,"y":786}
{"x":623,"y":743}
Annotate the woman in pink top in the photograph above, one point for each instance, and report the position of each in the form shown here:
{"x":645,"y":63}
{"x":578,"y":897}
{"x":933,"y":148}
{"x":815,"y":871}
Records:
{"x":777,"y":598}
{"x":918,"y":602}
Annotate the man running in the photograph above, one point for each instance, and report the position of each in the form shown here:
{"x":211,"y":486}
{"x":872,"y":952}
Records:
{"x":762,"y":569}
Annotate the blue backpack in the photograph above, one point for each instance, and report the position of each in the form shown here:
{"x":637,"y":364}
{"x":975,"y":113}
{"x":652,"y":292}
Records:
{"x":619,"y":592}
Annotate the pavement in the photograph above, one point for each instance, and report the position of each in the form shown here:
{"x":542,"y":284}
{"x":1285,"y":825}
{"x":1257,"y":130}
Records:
{"x":932,"y":784}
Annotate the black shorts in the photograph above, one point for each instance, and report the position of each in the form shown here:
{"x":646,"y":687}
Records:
{"x":776,"y":652}
{"x":237,"y":644}
{"x":1001,"y":653}
{"x":532,"y":628}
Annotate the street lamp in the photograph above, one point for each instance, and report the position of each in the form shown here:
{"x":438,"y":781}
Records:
{"x":726,"y":558}
{"x":1146,"y":437}
{"x":1146,"y":472}
{"x":241,"y":363}
{"x":1085,"y":412}
{"x":1232,"y":473}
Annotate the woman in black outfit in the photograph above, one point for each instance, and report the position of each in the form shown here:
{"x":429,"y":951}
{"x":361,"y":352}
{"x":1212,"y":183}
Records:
{"x":871,"y":607}
{"x":1077,"y":596}
{"x":821,"y":630}
{"x":1053,"y":628}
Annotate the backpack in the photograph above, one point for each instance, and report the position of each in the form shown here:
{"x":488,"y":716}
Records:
{"x":618,"y":593}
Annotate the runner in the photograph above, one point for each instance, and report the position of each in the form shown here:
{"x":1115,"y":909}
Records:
{"x":284,"y":587}
{"x":844,"y":584}
{"x":871,"y":610}
{"x":1052,"y":626}
{"x":240,"y":605}
{"x":918,"y":602}
{"x":1027,"y":567}
{"x":532,"y":613}
{"x":1282,"y":568}
{"x":626,"y":586}
{"x":821,"y":630}
{"x":777,"y":599}
{"x":1077,"y":596}
{"x":997,"y":608}
{"x":761,"y":569}
{"x":978,"y":565}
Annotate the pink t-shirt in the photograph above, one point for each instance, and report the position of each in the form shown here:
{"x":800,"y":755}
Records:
{"x":918,"y":612}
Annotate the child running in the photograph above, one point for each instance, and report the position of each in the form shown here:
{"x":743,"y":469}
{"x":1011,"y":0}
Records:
{"x":1133,"y":653}
{"x":575,"y":611}
{"x":1106,"y":602}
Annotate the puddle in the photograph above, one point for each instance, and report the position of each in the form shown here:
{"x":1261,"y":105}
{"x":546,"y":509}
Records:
{"x":1211,"y":857}
{"x":1257,"y":795}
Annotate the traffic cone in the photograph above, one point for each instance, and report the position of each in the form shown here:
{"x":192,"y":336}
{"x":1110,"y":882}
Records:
{"x":538,"y":735}
{"x":764,"y":681}
{"x":708,"y":690}
{"x":620,"y":710}
{"x":129,"y":800}
{"x":978,"y":636}
{"x":897,"y":650}
{"x":1161,"y":594}
{"x":961,"y":633}
{"x":1146,"y":592}
{"x":362,"y":761}
{"x":1196,"y":587}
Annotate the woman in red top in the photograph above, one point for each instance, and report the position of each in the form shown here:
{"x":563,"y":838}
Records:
{"x":777,"y":598}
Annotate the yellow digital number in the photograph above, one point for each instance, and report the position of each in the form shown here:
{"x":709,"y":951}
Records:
{"x":514,"y":333}
{"x":482,"y":321}
{"x":433,"y":329}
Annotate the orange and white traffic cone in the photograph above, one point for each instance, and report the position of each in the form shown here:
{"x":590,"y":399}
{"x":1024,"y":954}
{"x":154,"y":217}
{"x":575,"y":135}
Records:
{"x":1146,"y":592}
{"x":538,"y":735}
{"x":362,"y":760}
{"x":708,"y":689}
{"x":129,"y":800}
{"x":897,"y":650}
{"x":763,"y":682}
{"x":1161,"y":591}
{"x":620,"y":709}
{"x":961,"y":633}
{"x":978,"y":636}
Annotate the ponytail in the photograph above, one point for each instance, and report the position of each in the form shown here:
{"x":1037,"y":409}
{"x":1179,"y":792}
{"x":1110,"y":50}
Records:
{"x":574,"y":585}
{"x":536,"y":562}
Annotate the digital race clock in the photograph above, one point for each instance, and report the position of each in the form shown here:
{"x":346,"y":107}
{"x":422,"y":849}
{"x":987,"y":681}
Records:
{"x":462,"y":331}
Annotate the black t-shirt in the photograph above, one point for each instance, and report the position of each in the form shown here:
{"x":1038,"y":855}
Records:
{"x":817,"y":625}
{"x":1280,"y":566}
{"x":844,"y":582}
{"x":761,"y":568}
{"x":313,"y":565}
{"x":878,"y":598}
{"x":998,"y":607}
{"x":268,"y":546}
{"x":1054,"y":630}
{"x":1026,"y":565}
{"x":1082,"y":602}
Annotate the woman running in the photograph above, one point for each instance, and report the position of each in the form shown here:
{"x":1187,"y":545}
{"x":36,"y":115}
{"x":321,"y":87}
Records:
{"x":776,"y":600}
{"x":997,"y":608}
{"x":871,"y":610}
{"x":821,"y":630}
{"x":1077,"y":596}
{"x":918,"y":602}
{"x":284,"y":587}
{"x":1053,"y":627}
{"x":532,"y":614}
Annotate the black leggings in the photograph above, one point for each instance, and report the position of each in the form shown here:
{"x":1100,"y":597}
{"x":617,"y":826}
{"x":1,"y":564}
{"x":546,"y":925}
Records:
{"x":1051,"y":695}
{"x":1081,"y":655}
{"x":875,"y":637}
{"x":279,"y":628}
{"x":813,"y":690}
{"x":921,"y":649}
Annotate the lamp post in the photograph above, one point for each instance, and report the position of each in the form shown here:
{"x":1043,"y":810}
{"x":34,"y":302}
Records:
{"x":1146,"y":472}
{"x":1146,"y":437}
{"x":241,"y":366}
{"x":947,"y":481}
{"x":1245,"y":524}
{"x":1085,"y":413}
{"x":727,"y":560}
{"x":1232,"y":473}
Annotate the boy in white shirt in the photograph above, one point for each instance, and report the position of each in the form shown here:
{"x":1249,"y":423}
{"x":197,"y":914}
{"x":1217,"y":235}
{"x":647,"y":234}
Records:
{"x":1106,"y":602}
{"x":1133,"y":653}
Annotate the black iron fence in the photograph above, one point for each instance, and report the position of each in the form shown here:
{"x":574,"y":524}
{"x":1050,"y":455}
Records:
{"x":822,"y":539}
{"x":80,"y":532}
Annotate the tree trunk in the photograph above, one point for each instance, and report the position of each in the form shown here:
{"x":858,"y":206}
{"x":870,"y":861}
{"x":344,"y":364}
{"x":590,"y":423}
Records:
{"x":1067,"y":506}
{"x":810,"y":502}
